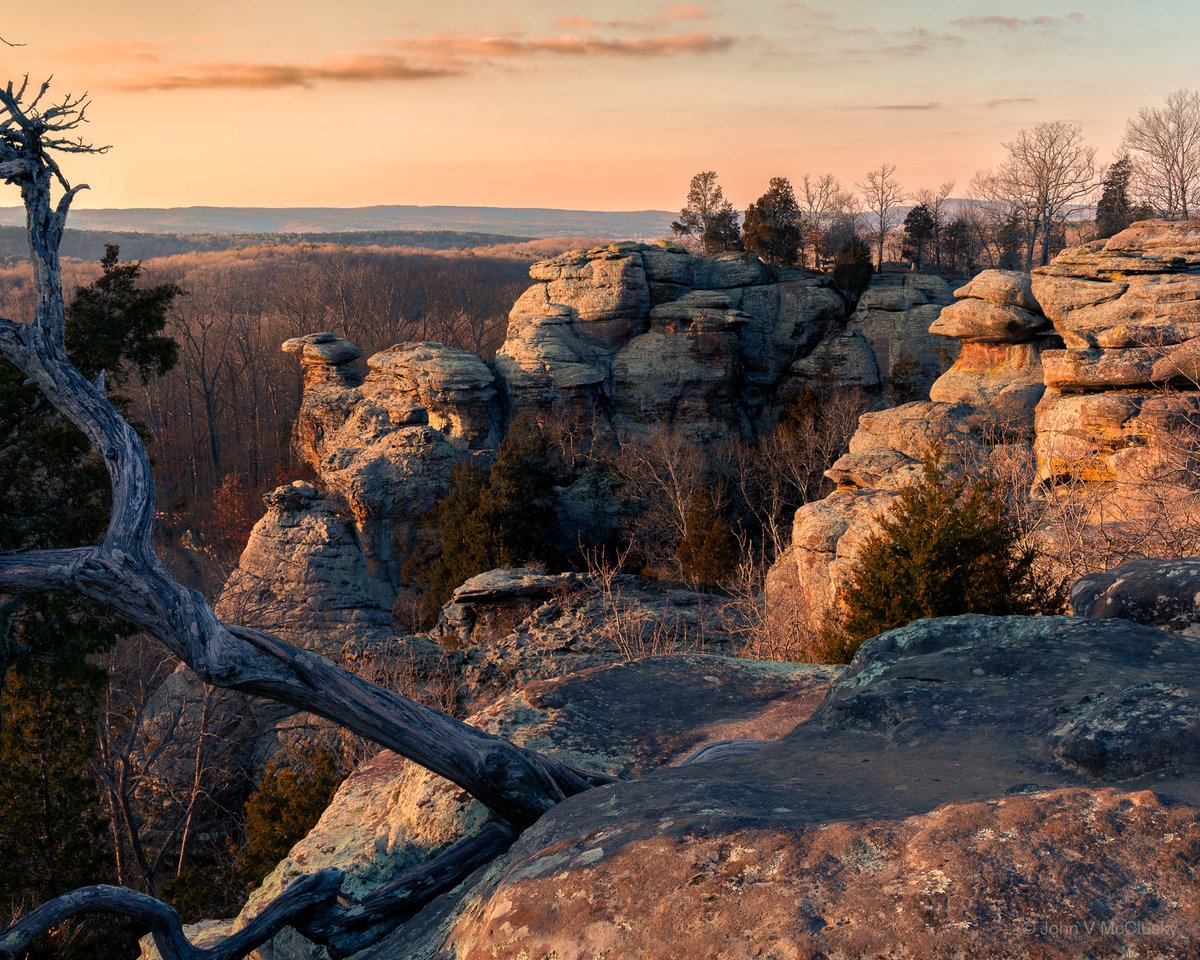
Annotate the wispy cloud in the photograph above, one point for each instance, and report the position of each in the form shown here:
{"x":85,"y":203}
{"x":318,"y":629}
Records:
{"x":456,"y":47}
{"x":927,"y":105}
{"x":1043,"y":22}
{"x":813,"y":13}
{"x":419,"y":58}
{"x":912,"y":42}
{"x":681,"y":12}
{"x":1010,"y":101}
{"x":267,"y":76}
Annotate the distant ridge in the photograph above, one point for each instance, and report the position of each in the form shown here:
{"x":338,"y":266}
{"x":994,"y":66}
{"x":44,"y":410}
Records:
{"x":528,"y":222}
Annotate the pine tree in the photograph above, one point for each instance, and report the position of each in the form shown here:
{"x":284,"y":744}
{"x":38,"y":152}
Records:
{"x":919,"y":227}
{"x":948,"y":547}
{"x":55,"y":493}
{"x":708,"y":553}
{"x":852,"y":271}
{"x":499,"y":518}
{"x":771,"y":228}
{"x":1114,"y":212}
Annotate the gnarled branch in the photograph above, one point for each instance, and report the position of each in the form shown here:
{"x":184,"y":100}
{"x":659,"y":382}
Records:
{"x":125,"y":574}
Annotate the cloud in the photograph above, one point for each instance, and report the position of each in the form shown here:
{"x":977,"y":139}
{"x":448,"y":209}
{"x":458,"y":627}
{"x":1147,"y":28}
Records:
{"x":912,"y":42}
{"x":458,"y":47}
{"x":813,"y":13}
{"x":1008,"y":101}
{"x":421,"y":58}
{"x":681,"y":12}
{"x":928,"y":105}
{"x":272,"y":76}
{"x":1043,"y":22}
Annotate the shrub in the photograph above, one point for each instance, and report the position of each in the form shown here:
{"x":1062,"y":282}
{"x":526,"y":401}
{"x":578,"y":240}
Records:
{"x":708,"y":554}
{"x":949,"y":547}
{"x":499,"y":518}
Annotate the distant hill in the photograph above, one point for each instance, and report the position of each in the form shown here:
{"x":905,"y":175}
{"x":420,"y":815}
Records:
{"x":142,"y":245}
{"x":523,"y":222}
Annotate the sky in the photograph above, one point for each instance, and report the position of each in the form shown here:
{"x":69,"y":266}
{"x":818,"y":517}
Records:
{"x":608,"y":105}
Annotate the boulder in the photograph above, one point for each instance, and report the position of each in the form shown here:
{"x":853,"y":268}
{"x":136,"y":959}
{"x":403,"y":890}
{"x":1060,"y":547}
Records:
{"x":626,"y":719}
{"x":1159,"y":593}
{"x":973,"y":786}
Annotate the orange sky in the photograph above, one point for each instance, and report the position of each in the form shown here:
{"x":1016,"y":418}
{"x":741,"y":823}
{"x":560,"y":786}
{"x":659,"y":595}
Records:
{"x":584,"y":105}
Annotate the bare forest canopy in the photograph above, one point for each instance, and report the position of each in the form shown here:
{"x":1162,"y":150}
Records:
{"x":526,"y":222}
{"x":227,"y":407}
{"x":141,"y":245}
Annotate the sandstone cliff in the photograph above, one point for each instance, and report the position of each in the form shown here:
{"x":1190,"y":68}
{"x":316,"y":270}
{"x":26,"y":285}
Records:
{"x":1093,"y":360}
{"x":986,"y":399}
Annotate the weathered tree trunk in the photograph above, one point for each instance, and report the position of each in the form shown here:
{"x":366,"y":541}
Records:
{"x":125,"y":574}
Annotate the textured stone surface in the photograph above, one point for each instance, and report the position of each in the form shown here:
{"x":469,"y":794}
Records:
{"x":1110,"y":397}
{"x":626,"y":719}
{"x":1159,"y":593}
{"x":982,"y":787}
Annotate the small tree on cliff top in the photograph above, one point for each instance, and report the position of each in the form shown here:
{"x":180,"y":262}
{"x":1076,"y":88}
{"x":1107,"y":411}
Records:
{"x":772,"y":228}
{"x":708,"y":216}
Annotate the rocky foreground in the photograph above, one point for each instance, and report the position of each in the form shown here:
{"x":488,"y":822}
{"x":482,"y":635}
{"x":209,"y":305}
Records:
{"x":968,"y":787}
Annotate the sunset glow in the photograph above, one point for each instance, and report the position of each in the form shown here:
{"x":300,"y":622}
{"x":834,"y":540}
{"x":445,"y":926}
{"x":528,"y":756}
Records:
{"x":588,"y":105}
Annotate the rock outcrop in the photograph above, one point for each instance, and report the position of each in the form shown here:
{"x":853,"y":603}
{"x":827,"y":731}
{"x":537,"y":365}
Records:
{"x":1122,"y":409}
{"x":385,"y":444}
{"x":620,"y":338}
{"x":974,"y":786}
{"x":985,"y":400}
{"x":1160,"y":593}
{"x":625,"y":718}
{"x":1095,"y":359}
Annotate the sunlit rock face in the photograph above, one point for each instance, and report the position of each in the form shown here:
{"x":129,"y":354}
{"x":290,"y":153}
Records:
{"x":1094,"y":359}
{"x":1121,"y":415}
{"x":984,"y":403}
{"x":623,"y":338}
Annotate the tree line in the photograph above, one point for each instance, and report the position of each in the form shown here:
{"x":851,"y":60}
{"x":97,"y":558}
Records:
{"x":1013,"y":216}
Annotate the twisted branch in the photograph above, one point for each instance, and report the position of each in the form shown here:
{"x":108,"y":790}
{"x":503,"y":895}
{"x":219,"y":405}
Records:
{"x":125,"y":574}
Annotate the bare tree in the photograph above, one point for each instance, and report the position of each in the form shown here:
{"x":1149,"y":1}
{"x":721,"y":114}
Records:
{"x":1166,"y":143}
{"x":124,"y":573}
{"x":882,"y":196}
{"x":822,"y":199}
{"x":1049,"y":169}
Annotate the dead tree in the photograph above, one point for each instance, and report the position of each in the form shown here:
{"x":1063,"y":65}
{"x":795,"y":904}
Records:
{"x":124,"y":573}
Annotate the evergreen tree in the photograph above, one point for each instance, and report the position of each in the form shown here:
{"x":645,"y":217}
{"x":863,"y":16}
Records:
{"x":852,"y":271}
{"x":1114,"y":212}
{"x":502,"y":517}
{"x":55,"y":493}
{"x":948,"y":547}
{"x":919,"y":227}
{"x":772,"y":227}
{"x":708,"y":554}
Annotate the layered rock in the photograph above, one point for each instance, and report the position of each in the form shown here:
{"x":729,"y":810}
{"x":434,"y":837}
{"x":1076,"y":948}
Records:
{"x":621,"y":338}
{"x":985,"y":401}
{"x":386,"y":444}
{"x":1122,"y":411}
{"x":391,"y":815}
{"x":973,"y":786}
{"x":893,"y":316}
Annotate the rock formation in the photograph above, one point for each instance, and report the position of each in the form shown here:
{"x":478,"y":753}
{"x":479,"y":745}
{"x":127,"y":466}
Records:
{"x":1095,"y":359}
{"x":1121,"y":415}
{"x":987,"y":398}
{"x":973,"y":786}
